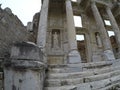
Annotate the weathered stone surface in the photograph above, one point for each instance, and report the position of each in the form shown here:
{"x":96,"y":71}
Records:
{"x":24,"y":68}
{"x":26,"y":51}
{"x":23,"y":79}
{"x":30,"y":26}
{"x":33,"y":34}
{"x":11,"y":31}
{"x":94,"y":67}
{"x":8,"y":10}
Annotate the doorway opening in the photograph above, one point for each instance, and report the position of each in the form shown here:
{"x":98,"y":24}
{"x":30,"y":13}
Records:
{"x":81,"y":44}
{"x":113,"y":43}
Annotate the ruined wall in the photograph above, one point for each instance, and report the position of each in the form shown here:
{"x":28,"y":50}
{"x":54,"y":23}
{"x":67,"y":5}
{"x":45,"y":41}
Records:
{"x":11,"y":30}
{"x":33,"y":33}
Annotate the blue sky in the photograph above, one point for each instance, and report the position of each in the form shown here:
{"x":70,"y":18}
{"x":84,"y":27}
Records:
{"x":24,"y":9}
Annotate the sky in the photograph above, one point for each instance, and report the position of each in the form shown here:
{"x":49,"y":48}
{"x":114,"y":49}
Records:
{"x":24,"y":9}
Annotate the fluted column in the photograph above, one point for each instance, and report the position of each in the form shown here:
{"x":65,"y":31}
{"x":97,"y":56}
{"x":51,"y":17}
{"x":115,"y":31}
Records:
{"x":114,"y":25}
{"x":42,"y":28}
{"x":74,"y":56}
{"x":108,"y":53}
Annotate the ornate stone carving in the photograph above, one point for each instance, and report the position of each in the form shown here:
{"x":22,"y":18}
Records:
{"x":98,"y":40}
{"x":55,"y":40}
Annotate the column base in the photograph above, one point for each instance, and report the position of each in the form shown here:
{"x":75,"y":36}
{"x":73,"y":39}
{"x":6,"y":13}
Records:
{"x":109,"y":55}
{"x":74,"y":57}
{"x":117,"y":55}
{"x":96,"y":58}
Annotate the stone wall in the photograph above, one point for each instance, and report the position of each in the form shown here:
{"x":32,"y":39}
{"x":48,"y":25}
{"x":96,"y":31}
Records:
{"x":11,"y":31}
{"x":34,"y":31}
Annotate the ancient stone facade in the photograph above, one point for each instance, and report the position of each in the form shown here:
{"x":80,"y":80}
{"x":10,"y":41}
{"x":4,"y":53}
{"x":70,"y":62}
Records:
{"x":57,"y":18}
{"x":56,"y":60}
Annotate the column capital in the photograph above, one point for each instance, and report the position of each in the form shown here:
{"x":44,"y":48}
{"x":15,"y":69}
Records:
{"x":69,"y":5}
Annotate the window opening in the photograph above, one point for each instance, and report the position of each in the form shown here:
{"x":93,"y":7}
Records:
{"x":78,"y":21}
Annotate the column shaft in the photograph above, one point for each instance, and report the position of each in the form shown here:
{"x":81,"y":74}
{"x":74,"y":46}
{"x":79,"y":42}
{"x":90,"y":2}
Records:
{"x":104,"y":35}
{"x":114,"y":25}
{"x":71,"y":27}
{"x":74,"y":56}
{"x":42,"y":28}
{"x":108,"y":53}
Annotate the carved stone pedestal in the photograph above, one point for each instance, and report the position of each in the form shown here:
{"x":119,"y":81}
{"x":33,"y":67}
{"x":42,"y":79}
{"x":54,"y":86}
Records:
{"x":24,"y":70}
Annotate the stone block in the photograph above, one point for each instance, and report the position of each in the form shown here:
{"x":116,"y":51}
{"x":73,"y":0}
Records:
{"x":85,"y":86}
{"x":74,"y":57}
{"x":26,"y":51}
{"x":108,"y":55}
{"x":23,"y":79}
{"x":55,"y":59}
{"x":25,"y":69}
{"x":30,"y":26}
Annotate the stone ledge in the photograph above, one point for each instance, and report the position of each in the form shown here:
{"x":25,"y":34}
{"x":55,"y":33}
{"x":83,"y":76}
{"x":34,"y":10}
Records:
{"x":23,"y":64}
{"x":84,"y":65}
{"x":97,"y":64}
{"x":26,"y":50}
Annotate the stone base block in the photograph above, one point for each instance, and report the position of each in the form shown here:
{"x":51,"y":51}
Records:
{"x":96,"y":57}
{"x":109,"y":55}
{"x":74,"y":57}
{"x":55,"y":60}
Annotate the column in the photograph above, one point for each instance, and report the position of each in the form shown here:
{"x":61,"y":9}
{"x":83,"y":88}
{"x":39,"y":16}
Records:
{"x":114,"y":25}
{"x":74,"y":56}
{"x":108,"y":53}
{"x":42,"y":28}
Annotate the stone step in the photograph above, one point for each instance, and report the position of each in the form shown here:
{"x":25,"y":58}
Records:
{"x":61,"y":88}
{"x":62,"y":82}
{"x":72,"y":69}
{"x":115,"y":86}
{"x":78,"y":67}
{"x":95,"y":85}
{"x":85,"y":65}
{"x":73,"y":81}
{"x":69,"y":75}
{"x":65,"y":68}
{"x":81,"y":74}
{"x":93,"y":65}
